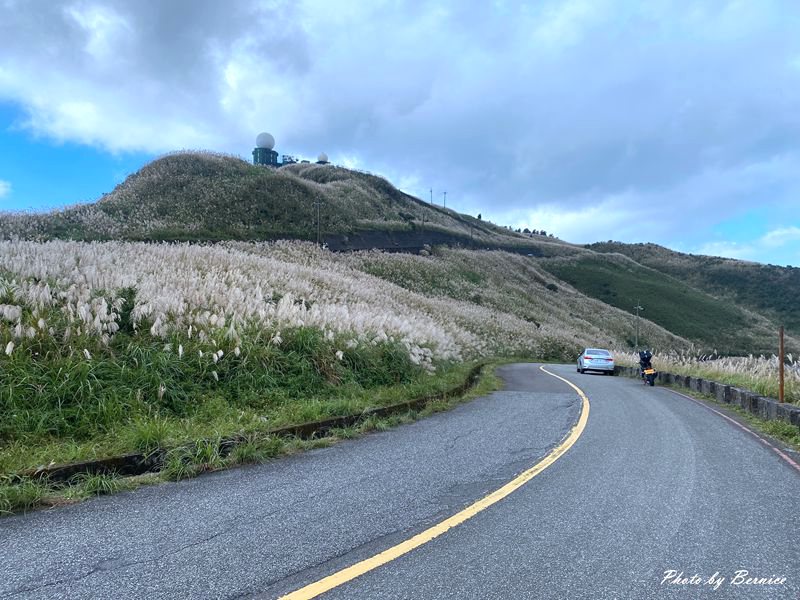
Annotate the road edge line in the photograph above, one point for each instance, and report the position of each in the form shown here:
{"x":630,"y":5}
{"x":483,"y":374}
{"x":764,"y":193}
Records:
{"x":778,"y":451}
{"x":314,"y":589}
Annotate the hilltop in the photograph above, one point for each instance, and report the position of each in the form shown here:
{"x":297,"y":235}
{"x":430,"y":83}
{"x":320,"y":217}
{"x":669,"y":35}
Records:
{"x":203,"y":196}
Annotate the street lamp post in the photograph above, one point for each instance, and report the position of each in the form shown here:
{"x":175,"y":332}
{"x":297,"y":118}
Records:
{"x":317,"y":204}
{"x":637,"y":308}
{"x":780,"y":365}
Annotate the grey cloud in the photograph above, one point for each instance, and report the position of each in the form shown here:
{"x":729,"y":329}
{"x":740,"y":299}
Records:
{"x":508,"y":105}
{"x":163,"y":64}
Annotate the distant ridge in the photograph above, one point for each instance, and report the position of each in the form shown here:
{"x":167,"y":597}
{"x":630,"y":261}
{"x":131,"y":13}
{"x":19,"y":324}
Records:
{"x":769,"y":289}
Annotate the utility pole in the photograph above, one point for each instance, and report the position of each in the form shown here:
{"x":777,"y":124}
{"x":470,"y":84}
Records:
{"x":445,"y":199}
{"x":637,"y":308}
{"x":431,"y":195}
{"x":780,"y":364}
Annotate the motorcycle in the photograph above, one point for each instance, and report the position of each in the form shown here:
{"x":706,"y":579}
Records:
{"x":646,"y":368}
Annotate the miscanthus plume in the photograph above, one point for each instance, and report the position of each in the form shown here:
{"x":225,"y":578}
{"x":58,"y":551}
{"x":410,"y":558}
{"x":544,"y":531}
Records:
{"x":67,"y":290}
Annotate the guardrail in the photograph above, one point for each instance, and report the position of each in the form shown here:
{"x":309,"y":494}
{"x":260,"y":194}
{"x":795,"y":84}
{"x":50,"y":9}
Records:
{"x":767,"y":408}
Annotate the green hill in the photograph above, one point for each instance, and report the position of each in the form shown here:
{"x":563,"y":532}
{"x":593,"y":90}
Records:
{"x":201,"y":196}
{"x":767,"y":289}
{"x":719,"y":304}
{"x":711,"y":323}
{"x":514,"y":286}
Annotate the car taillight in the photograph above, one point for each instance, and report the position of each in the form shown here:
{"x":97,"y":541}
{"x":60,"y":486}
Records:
{"x":588,"y":357}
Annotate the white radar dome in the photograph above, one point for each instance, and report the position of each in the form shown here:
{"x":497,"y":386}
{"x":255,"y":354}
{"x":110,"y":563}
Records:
{"x":322,"y":157}
{"x":265,"y":140}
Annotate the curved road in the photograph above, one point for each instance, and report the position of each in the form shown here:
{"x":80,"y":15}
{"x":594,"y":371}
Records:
{"x":659,"y":497}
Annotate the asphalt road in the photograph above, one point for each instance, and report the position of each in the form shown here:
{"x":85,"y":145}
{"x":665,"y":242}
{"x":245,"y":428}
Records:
{"x":656,"y":483}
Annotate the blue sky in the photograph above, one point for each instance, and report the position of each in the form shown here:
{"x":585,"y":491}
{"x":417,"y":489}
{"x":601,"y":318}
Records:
{"x":47,"y":174}
{"x":669,"y":122}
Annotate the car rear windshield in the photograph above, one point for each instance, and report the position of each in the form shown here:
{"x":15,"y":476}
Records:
{"x":598,"y":352}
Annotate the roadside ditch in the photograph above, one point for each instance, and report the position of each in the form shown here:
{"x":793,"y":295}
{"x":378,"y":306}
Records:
{"x":141,"y":463}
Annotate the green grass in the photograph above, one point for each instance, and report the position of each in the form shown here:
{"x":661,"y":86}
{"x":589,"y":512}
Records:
{"x":769,"y":289}
{"x":133,"y":396}
{"x":204,"y":455}
{"x":188,"y":461}
{"x":20,"y":496}
{"x":105,"y":408}
{"x":762,"y":385}
{"x":146,"y":435}
{"x":257,"y":449}
{"x":679,"y":308}
{"x":759,"y":377}
{"x":86,"y":485}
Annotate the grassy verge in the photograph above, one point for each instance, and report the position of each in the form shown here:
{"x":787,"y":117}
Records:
{"x":192,"y":459}
{"x":62,"y":404}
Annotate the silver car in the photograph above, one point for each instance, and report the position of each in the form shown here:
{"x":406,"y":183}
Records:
{"x":596,"y":359}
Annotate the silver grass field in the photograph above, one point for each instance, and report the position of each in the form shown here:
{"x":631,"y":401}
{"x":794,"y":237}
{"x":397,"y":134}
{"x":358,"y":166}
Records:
{"x":112,"y":347}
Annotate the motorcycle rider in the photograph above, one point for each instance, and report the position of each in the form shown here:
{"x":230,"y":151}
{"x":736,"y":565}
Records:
{"x":645,"y":357}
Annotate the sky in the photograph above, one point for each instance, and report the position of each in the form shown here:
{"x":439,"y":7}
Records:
{"x":666,"y":121}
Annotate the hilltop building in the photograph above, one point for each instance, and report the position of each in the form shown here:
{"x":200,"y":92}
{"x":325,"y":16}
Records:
{"x":265,"y":155}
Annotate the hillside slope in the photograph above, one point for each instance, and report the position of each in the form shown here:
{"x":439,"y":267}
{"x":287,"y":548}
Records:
{"x":768,"y":289}
{"x":196,"y":196}
{"x":509,"y":284}
{"x":711,"y":323}
{"x":208,"y":197}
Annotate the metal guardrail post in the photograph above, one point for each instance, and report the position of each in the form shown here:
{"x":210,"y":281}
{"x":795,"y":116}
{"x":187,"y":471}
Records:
{"x":780,"y":365}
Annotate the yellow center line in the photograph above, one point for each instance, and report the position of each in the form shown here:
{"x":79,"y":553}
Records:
{"x":313,"y":590}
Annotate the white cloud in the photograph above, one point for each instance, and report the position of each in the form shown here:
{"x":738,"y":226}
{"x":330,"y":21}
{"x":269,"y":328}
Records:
{"x":5,"y":188}
{"x":564,"y":24}
{"x":728,"y":249}
{"x":780,"y":238}
{"x":636,"y":121}
{"x":106,"y":30}
{"x":778,"y":247}
{"x":579,"y":224}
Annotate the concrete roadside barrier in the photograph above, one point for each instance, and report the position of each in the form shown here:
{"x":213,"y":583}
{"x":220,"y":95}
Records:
{"x":768,"y":409}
